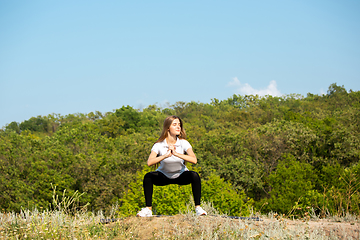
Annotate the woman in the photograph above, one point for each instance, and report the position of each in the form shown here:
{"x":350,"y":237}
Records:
{"x":169,"y":150}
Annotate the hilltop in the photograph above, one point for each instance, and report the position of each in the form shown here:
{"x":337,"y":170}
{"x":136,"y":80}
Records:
{"x":215,"y":227}
{"x":272,"y":154}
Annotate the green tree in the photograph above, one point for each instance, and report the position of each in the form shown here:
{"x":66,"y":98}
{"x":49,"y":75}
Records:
{"x":13,"y":126}
{"x":292,"y":185}
{"x":35,"y":124}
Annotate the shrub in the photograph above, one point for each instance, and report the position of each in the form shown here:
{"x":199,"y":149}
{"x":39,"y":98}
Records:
{"x":172,"y":199}
{"x":292,"y":185}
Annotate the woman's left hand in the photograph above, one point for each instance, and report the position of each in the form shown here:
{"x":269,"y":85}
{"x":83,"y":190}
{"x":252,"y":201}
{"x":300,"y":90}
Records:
{"x":172,"y":148}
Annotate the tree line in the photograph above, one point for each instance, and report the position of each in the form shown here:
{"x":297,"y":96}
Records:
{"x":282,"y":154}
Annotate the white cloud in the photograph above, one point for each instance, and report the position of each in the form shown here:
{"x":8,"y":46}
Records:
{"x":246,"y":89}
{"x":322,"y":92}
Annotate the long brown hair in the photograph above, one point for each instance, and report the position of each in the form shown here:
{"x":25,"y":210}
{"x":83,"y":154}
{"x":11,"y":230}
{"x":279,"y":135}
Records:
{"x":167,"y":122}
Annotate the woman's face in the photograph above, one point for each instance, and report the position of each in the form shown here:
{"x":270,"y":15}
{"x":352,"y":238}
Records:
{"x":175,"y":127}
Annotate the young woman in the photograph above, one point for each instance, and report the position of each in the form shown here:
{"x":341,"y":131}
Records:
{"x":171,"y":150}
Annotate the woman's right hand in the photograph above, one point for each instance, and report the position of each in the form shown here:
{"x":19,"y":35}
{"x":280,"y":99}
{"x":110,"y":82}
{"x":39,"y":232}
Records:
{"x":154,"y":159}
{"x":168,"y":154}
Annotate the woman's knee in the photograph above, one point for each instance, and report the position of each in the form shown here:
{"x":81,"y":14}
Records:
{"x":195,"y":176}
{"x":148,"y":178}
{"x":147,"y":175}
{"x":151,"y":175}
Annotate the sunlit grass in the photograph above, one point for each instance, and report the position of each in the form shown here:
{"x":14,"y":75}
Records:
{"x":57,"y":224}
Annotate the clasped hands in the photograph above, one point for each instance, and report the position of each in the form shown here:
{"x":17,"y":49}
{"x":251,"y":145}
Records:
{"x":171,"y":151}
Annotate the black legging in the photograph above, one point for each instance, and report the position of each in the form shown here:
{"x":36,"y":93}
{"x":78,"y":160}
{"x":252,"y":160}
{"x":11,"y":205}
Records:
{"x":159,"y":179}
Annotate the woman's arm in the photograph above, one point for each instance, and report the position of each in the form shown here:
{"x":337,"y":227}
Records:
{"x":189,"y":157}
{"x":154,"y":159}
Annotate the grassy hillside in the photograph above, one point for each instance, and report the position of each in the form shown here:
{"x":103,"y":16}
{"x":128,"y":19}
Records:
{"x":281,"y":154}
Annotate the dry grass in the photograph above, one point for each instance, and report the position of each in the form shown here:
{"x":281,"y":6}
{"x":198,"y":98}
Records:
{"x":217,"y":227}
{"x":86,"y":225}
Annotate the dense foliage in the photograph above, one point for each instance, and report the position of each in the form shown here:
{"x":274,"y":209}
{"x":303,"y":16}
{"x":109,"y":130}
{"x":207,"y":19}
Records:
{"x":282,"y":153}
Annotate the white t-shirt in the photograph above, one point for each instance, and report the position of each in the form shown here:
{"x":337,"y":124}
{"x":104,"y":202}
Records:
{"x":172,"y":166}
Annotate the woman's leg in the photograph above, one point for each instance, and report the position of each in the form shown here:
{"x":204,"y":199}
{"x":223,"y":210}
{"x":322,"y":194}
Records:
{"x":192,"y":177}
{"x":151,"y":179}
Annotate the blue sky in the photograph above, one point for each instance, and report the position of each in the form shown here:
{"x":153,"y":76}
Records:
{"x":81,"y":56}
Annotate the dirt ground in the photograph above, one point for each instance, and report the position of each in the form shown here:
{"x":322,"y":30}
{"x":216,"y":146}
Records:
{"x":332,"y":230}
{"x":217,"y":227}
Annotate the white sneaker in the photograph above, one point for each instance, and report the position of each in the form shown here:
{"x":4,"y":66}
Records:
{"x":145,"y":212}
{"x":199,"y":211}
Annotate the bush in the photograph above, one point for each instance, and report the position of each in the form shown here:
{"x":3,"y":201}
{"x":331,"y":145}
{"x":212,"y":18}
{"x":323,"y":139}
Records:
{"x":225,"y":198}
{"x":172,"y":199}
{"x":292,"y":185}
